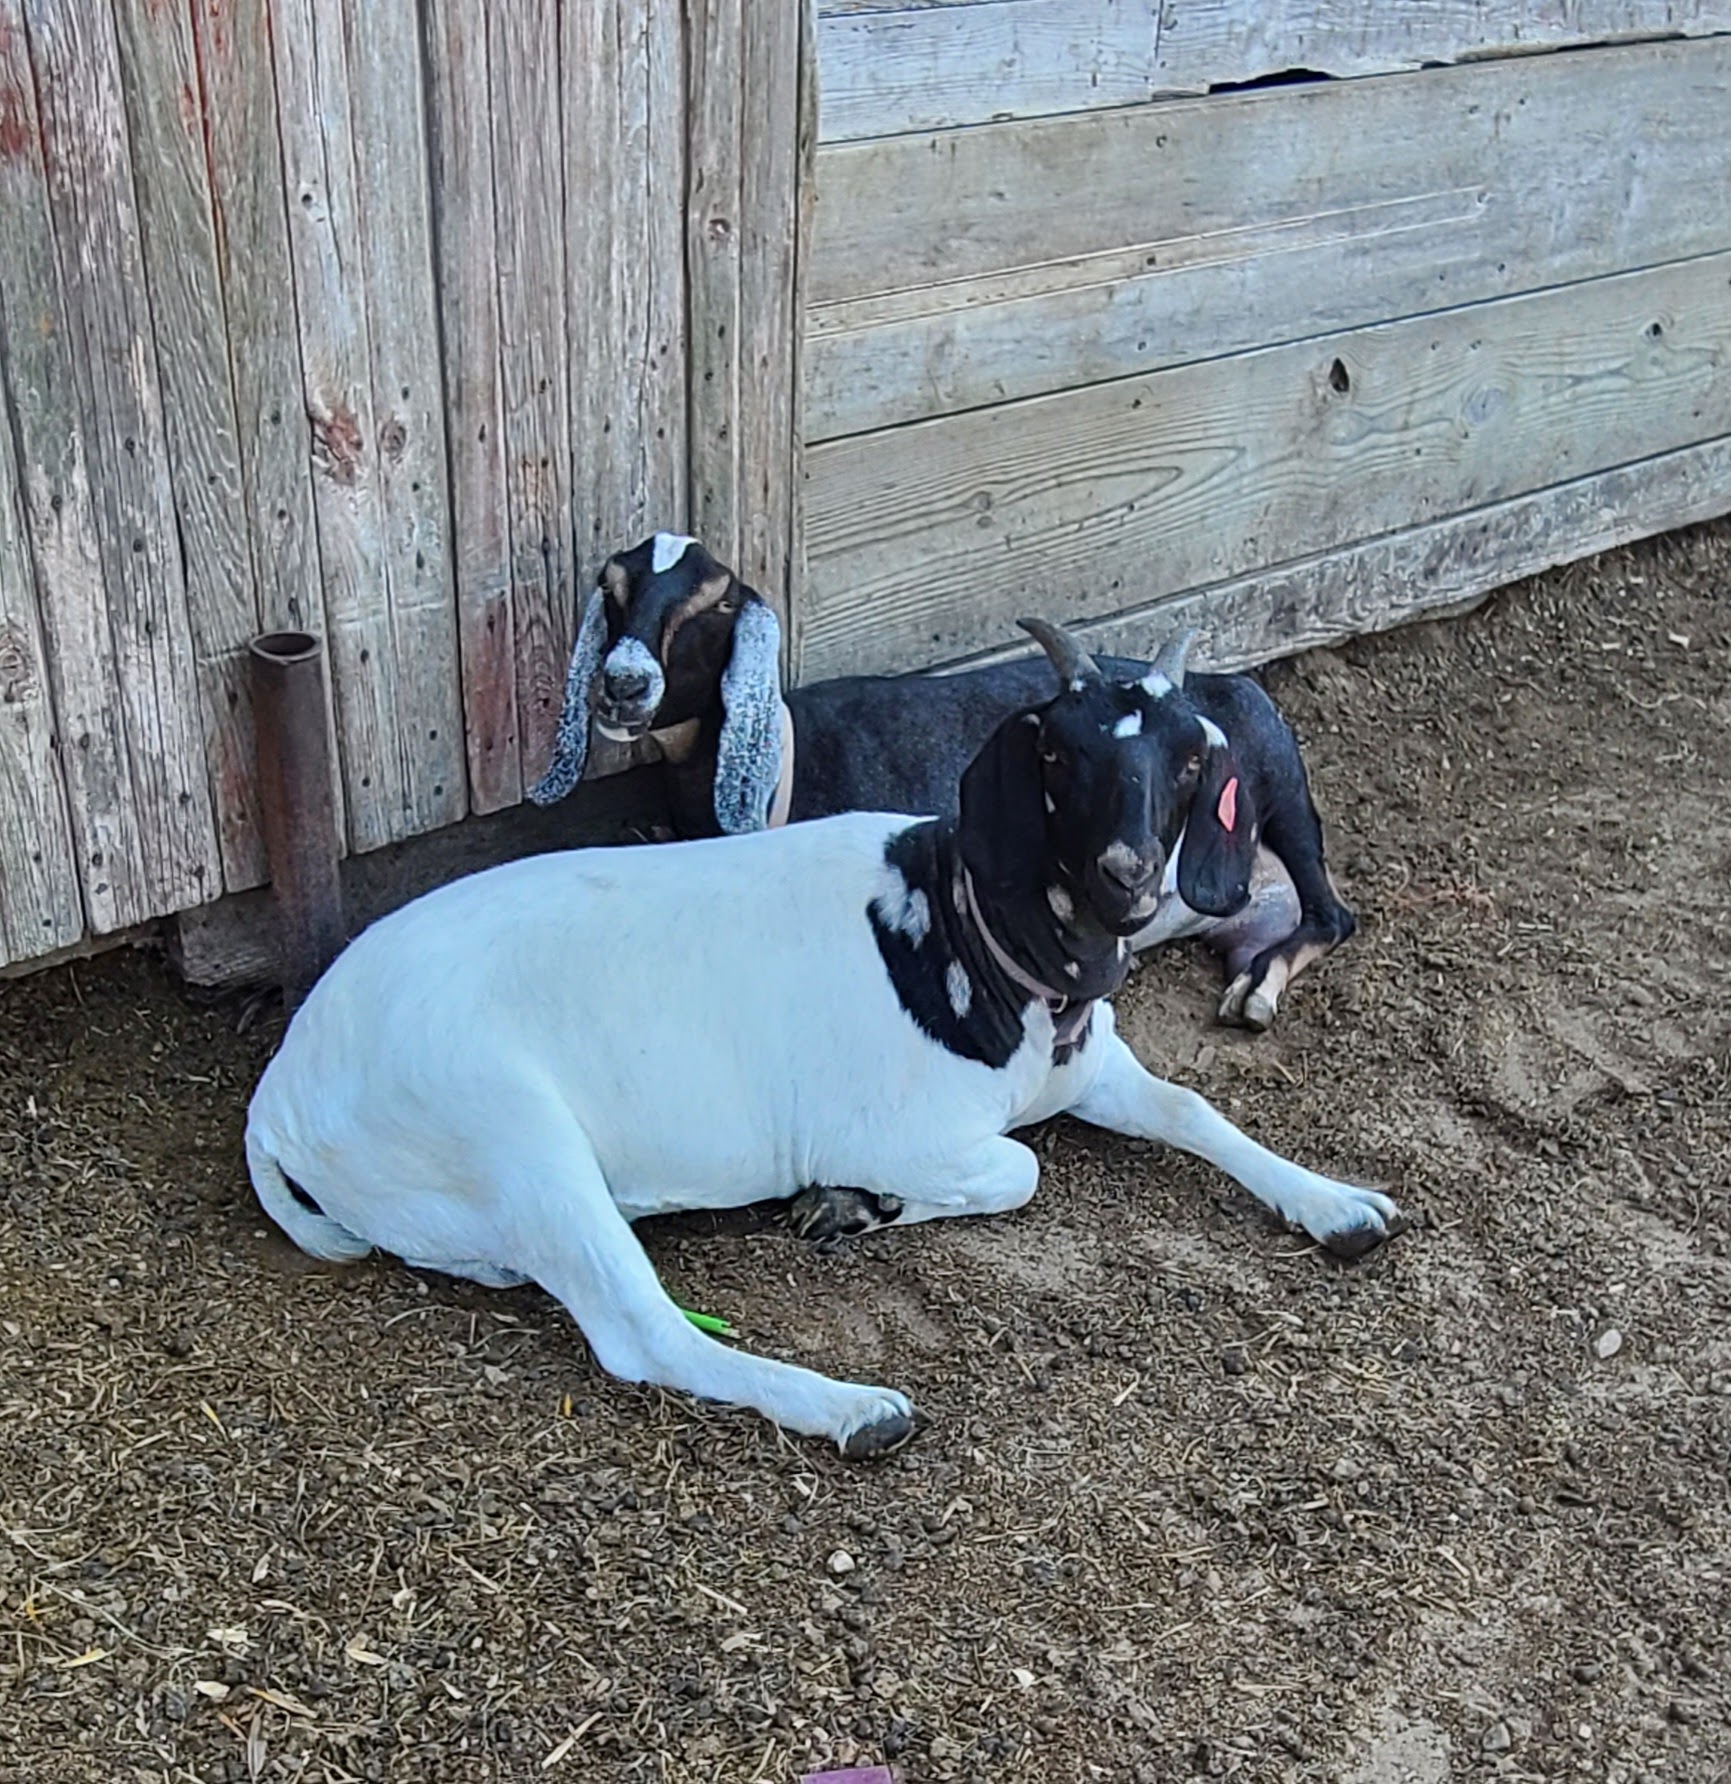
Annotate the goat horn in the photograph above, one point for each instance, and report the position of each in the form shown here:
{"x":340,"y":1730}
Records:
{"x":1072,"y":662}
{"x":1170,"y":658}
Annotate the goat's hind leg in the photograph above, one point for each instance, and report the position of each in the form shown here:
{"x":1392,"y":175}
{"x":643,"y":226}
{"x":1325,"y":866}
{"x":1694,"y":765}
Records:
{"x":1130,"y":1100}
{"x":567,"y":1231}
{"x":997,"y":1175}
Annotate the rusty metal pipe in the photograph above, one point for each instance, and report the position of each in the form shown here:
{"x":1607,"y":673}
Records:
{"x":297,"y":810}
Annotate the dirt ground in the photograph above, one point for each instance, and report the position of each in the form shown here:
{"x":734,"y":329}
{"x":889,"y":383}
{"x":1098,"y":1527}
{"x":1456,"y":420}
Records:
{"x":1194,"y":1502}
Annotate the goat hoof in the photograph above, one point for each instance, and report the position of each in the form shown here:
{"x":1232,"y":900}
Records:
{"x":825,"y":1214}
{"x":881,"y":1437}
{"x":1355,"y":1243}
{"x":1245,"y":1005}
{"x":1381,"y":1221}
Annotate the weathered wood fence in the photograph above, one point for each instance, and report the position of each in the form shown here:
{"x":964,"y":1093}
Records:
{"x":1295,"y":359}
{"x":382,"y":319}
{"x":389,"y":318}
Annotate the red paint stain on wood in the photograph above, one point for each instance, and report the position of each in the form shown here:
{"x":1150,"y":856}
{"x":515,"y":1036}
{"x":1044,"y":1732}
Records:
{"x":337,"y":443}
{"x":17,"y":138}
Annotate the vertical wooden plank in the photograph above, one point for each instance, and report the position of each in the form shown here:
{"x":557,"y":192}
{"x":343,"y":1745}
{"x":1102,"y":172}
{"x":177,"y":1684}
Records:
{"x":748,"y":137}
{"x":805,"y":219}
{"x":389,"y":122}
{"x":232,"y":44}
{"x":59,"y":509}
{"x":90,"y":190}
{"x":714,"y":236}
{"x":623,"y":78}
{"x":40,"y":909}
{"x":770,"y":308}
{"x":349,"y":99}
{"x":529,"y":162}
{"x":459,"y":100}
{"x":165,"y":116}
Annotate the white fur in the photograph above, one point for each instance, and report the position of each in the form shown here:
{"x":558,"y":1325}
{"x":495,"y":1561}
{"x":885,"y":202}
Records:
{"x":1156,"y":684}
{"x":1216,"y":737}
{"x":497,"y":1078}
{"x":1130,"y":725}
{"x":960,"y":988}
{"x":667,"y":550}
{"x":905,"y":909}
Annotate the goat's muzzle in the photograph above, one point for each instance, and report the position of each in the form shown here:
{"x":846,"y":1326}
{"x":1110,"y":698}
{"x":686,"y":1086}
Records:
{"x":1126,"y":889}
{"x":630,"y":691}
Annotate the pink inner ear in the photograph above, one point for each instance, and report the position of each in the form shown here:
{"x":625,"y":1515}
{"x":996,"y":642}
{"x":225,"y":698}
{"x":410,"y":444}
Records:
{"x":1227,"y":810}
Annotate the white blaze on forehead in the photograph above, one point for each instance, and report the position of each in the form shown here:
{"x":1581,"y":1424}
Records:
{"x":1216,"y":737}
{"x":1156,"y":684}
{"x":669,"y":549}
{"x":1130,"y":725}
{"x":960,"y":987}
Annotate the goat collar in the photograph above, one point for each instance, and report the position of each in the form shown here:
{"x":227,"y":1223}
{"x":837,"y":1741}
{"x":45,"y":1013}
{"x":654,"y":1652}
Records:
{"x":782,"y":798}
{"x":1069,"y":1014}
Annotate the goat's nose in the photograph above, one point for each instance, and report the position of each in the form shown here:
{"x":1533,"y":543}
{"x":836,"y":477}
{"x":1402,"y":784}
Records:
{"x":1124,"y":867}
{"x":626,"y":683}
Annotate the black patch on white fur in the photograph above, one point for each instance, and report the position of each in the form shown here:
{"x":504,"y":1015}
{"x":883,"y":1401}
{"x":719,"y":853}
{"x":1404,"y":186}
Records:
{"x":992,"y":1030}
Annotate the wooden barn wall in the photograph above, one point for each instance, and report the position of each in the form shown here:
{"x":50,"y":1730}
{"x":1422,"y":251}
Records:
{"x":383,"y":318}
{"x":1291,"y":360}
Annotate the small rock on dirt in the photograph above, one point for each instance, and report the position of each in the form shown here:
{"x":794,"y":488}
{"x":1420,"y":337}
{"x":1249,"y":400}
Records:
{"x":1607,"y":1344}
{"x":841,"y":1562}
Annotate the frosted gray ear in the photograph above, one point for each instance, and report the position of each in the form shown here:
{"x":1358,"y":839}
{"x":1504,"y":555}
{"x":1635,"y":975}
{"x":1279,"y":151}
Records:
{"x":748,"y":762}
{"x":571,"y":743}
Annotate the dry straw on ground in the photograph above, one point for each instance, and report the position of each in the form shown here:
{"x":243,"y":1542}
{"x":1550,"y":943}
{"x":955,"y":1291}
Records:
{"x":1194,"y":1501}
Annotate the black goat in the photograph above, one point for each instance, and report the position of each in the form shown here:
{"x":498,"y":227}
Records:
{"x":674,"y":645}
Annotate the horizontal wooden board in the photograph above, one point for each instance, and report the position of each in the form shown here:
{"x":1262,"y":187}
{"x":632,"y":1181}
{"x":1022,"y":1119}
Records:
{"x":985,"y":265}
{"x":1438,"y":568}
{"x":884,"y":70}
{"x":887,"y":69}
{"x":925,"y":542}
{"x":1211,"y":43}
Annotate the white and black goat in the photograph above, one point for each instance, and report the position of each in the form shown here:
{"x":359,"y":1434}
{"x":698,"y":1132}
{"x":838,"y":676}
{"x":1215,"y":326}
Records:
{"x":671,"y":643}
{"x":497,"y":1079}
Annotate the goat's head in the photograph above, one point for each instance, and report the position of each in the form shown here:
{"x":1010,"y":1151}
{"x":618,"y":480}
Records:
{"x":671,"y":635}
{"x":1094,"y":790}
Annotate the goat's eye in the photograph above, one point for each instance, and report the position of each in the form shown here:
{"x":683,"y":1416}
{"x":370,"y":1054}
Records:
{"x":1048,"y":755}
{"x":1194,"y":765}
{"x":726,"y":606}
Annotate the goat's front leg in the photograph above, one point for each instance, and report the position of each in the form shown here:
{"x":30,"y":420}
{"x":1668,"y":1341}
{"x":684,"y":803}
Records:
{"x":1130,"y":1100}
{"x":997,"y":1175}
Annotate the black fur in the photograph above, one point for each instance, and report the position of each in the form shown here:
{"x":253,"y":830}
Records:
{"x":925,"y":857}
{"x":901,"y":743}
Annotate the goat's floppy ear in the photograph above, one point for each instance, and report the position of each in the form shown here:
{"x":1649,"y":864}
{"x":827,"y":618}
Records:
{"x":748,"y":761}
{"x":1219,"y":848}
{"x":571,"y":742}
{"x":1003,"y":820}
